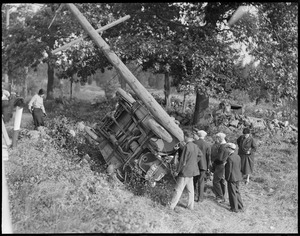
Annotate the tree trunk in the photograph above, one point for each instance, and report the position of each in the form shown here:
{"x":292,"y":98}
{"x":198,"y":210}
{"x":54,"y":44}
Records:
{"x":50,"y":83}
{"x":184,"y":103}
{"x":167,"y":90}
{"x":201,"y":105}
{"x":26,"y":82}
{"x":71,"y":87}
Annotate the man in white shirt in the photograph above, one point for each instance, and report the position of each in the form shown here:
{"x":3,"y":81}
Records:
{"x":5,"y":95}
{"x":6,"y":114}
{"x":36,"y":107}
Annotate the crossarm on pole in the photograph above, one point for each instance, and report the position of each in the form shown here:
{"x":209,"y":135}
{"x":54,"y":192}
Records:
{"x":98,"y":30}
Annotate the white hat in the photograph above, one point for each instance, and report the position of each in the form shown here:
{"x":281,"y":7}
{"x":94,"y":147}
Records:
{"x":201,"y":133}
{"x":221,"y":135}
{"x":231,"y":145}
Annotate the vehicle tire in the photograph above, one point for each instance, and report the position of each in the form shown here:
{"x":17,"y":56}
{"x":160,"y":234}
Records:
{"x":91,"y":132}
{"x":121,"y":174}
{"x":127,"y":97}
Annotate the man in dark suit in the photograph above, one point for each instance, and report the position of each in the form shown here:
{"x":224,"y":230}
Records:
{"x":220,"y":158}
{"x":233,"y":176}
{"x":204,"y":165}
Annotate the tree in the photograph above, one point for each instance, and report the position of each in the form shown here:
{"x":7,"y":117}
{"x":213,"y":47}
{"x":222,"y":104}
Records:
{"x":172,"y":42}
{"x":271,"y":36}
{"x":30,"y":42}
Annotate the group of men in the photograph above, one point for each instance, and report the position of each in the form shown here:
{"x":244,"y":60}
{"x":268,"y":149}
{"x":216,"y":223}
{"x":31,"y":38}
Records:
{"x":198,"y":158}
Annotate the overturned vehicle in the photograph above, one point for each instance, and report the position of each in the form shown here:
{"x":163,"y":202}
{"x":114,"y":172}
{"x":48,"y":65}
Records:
{"x":131,"y":139}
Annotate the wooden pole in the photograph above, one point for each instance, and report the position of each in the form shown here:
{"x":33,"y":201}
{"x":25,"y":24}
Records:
{"x":156,"y":110}
{"x":98,"y":30}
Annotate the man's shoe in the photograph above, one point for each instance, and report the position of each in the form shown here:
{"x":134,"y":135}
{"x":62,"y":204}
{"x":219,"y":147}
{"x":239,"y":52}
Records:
{"x":235,"y":211}
{"x":220,"y":200}
{"x":241,"y":210}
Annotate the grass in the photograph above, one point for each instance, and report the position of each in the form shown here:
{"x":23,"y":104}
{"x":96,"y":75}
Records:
{"x":54,"y":190}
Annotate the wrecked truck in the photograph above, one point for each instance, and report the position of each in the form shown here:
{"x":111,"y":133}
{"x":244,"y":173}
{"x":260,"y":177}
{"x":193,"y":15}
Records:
{"x":131,"y":139}
{"x":139,"y":135}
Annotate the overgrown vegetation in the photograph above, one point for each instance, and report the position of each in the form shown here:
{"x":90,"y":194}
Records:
{"x":56,"y":188}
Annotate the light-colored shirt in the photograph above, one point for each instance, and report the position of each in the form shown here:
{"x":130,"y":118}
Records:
{"x":37,"y":102}
{"x":5,"y":95}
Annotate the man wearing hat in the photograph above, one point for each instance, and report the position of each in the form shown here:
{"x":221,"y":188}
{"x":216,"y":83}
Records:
{"x":36,"y":107}
{"x":203,"y":164}
{"x":187,"y":168}
{"x":220,"y":158}
{"x":233,"y":176}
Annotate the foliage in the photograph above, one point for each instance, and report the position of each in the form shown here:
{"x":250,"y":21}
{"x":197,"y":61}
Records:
{"x":175,"y":42}
{"x":272,"y":39}
{"x":50,"y":193}
{"x":189,"y":41}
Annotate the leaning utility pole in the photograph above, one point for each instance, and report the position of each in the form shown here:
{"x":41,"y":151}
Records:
{"x":156,"y":110}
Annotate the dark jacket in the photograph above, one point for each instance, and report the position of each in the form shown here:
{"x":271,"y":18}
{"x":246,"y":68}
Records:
{"x":205,"y":149}
{"x":246,"y":144}
{"x":188,"y":162}
{"x":233,"y":168}
{"x":221,"y":154}
{"x":214,"y":151}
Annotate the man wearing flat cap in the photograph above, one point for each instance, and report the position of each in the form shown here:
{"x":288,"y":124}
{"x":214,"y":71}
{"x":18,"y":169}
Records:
{"x":233,"y":176}
{"x":204,"y":164}
{"x":220,"y":158}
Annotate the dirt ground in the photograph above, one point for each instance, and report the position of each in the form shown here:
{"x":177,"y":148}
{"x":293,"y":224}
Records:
{"x":210,"y":217}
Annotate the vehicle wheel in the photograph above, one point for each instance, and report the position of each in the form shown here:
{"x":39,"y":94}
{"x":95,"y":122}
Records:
{"x":124,"y":175}
{"x":127,"y":97}
{"x":121,"y":174}
{"x":91,"y":132}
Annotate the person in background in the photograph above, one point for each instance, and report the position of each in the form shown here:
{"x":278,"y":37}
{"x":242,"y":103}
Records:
{"x":36,"y":107}
{"x":233,"y":177}
{"x":5,"y":105}
{"x":204,"y":164}
{"x":247,"y":147}
{"x":187,"y":168}
{"x":220,"y":158}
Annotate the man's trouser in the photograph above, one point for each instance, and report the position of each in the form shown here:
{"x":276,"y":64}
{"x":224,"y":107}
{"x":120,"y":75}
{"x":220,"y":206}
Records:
{"x":37,"y":115}
{"x":6,"y":111}
{"x":183,"y":182}
{"x":199,"y":183}
{"x":219,"y":186}
{"x":234,"y":196}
